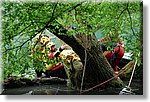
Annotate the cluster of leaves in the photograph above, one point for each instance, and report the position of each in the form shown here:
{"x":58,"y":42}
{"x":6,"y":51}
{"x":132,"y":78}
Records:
{"x":22,"y":20}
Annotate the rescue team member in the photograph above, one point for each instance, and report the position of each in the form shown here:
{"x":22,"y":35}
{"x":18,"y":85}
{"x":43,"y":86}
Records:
{"x":116,"y":54}
{"x":55,"y":67}
{"x":39,"y":53}
{"x":44,"y":52}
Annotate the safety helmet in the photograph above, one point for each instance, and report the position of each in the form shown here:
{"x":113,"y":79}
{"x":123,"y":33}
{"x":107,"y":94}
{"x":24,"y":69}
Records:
{"x":50,"y":44}
{"x":45,"y":39}
{"x":38,"y":36}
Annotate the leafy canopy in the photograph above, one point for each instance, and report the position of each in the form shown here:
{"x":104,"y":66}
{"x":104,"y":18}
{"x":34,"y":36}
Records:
{"x":22,"y":20}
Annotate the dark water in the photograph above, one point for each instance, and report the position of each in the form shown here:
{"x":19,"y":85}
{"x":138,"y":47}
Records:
{"x":59,"y":89}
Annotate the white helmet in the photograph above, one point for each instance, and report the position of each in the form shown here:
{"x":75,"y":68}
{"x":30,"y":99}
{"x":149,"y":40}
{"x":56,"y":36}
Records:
{"x":50,"y":44}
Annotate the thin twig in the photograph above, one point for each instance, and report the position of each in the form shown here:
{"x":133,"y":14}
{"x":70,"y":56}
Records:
{"x":74,"y":7}
{"x":117,"y":18}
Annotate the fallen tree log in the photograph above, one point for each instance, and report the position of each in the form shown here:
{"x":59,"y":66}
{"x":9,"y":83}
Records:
{"x":15,"y":82}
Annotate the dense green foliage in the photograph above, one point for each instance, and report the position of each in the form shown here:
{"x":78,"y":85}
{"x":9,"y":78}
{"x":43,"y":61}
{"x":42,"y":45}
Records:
{"x":21,"y":21}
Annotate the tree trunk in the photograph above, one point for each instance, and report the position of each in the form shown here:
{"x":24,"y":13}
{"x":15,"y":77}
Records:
{"x":97,"y":68}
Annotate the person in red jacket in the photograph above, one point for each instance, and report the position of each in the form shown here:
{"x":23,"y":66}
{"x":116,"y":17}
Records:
{"x":55,"y":67}
{"x":114,"y":56}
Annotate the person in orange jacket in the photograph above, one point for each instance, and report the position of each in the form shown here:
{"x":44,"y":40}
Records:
{"x":114,"y":56}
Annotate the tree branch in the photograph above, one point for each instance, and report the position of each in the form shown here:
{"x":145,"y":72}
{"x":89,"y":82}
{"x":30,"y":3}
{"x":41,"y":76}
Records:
{"x":74,"y":7}
{"x":22,"y":30}
{"x":121,"y":13}
{"x":131,"y":21}
{"x":46,"y":26}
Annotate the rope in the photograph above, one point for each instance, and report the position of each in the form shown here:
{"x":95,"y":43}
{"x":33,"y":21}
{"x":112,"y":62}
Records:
{"x":57,"y":91}
{"x":127,"y":90}
{"x":132,"y":72}
{"x":105,"y":81}
{"x":83,"y":71}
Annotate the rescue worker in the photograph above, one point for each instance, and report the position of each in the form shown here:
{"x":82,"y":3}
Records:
{"x":114,"y":56}
{"x":39,"y":53}
{"x":54,"y":64}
